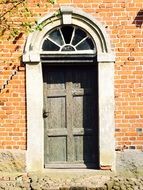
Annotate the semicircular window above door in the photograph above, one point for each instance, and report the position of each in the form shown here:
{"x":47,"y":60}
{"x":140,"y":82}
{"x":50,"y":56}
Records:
{"x":71,"y":39}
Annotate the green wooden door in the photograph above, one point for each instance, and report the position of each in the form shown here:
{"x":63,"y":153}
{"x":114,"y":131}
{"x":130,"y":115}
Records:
{"x":71,"y":116}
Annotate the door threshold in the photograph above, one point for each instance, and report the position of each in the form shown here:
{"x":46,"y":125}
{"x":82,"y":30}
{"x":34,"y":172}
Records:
{"x":71,"y":166}
{"x":76,"y":172}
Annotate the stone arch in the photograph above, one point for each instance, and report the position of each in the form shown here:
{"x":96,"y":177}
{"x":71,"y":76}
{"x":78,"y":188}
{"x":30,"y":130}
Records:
{"x":69,"y":15}
{"x":34,"y":85}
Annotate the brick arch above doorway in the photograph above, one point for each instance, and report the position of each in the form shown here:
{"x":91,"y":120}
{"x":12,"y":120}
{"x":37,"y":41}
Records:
{"x":34,"y":86}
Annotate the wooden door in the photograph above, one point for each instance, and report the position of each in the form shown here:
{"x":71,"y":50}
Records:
{"x":71,"y":116}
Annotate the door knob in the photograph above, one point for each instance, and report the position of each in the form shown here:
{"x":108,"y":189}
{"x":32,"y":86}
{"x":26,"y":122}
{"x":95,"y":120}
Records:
{"x":45,"y":114}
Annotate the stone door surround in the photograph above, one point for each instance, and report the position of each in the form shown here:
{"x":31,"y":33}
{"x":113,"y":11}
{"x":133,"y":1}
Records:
{"x":34,"y":85}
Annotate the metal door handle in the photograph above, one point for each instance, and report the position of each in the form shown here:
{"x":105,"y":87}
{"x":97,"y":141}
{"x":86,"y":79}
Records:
{"x":45,"y":114}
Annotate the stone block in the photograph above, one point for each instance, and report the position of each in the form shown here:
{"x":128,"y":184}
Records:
{"x":129,"y":163}
{"x":12,"y":161}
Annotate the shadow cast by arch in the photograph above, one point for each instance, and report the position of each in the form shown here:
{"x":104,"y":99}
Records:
{"x":138,"y":20}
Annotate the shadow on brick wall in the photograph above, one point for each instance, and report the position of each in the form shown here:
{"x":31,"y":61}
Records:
{"x":138,"y":21}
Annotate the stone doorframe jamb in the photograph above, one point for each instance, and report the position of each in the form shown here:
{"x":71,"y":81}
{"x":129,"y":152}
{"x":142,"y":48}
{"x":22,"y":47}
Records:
{"x":34,"y":86}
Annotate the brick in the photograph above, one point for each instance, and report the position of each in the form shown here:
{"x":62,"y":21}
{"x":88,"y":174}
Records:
{"x":105,"y":167}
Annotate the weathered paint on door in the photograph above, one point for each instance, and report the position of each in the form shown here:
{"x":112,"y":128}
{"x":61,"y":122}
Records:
{"x":71,"y":116}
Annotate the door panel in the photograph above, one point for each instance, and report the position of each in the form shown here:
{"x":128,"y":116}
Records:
{"x":78,"y":112}
{"x":55,"y":79}
{"x":56,"y":112}
{"x":83,"y":112}
{"x":71,"y":126}
{"x":57,"y":149}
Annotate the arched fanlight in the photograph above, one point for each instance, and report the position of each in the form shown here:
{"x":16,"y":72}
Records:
{"x":68,"y":38}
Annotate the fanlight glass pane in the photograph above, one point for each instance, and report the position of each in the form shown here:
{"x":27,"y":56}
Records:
{"x":79,"y":35}
{"x":85,"y":45}
{"x":68,"y":48}
{"x":67,"y":33}
{"x":56,"y":36}
{"x":68,"y":38}
{"x":50,"y":46}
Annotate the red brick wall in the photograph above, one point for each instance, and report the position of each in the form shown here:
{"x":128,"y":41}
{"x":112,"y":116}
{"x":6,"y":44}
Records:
{"x":123,"y":21}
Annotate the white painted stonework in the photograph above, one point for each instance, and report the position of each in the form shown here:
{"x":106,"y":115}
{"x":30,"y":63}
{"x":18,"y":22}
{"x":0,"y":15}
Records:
{"x":34,"y":86}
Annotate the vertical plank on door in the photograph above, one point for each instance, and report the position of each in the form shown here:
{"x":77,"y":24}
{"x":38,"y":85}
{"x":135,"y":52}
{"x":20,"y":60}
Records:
{"x":55,"y":141}
{"x":69,"y":117}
